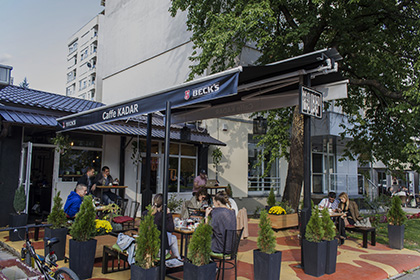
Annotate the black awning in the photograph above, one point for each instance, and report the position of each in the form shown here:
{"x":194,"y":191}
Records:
{"x":235,"y":91}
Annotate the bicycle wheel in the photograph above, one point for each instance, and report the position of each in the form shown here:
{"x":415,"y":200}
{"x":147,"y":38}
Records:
{"x":65,"y":273}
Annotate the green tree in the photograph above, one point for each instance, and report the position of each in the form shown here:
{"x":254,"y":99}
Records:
{"x":19,"y":201}
{"x":148,"y":242}
{"x":271,"y":199}
{"x":396,"y":215}
{"x":378,"y":41}
{"x":314,"y":229}
{"x":266,"y":241}
{"x":328,"y":225}
{"x":57,"y":217}
{"x":199,"y":249}
{"x":83,"y":228}
{"x":24,"y":83}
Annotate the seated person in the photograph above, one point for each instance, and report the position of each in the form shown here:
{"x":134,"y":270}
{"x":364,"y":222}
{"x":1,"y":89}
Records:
{"x":197,"y":201}
{"x":330,"y":202}
{"x":105,"y":179}
{"x":74,"y":200}
{"x":232,"y":202}
{"x":350,"y":213}
{"x":222,"y":218}
{"x":171,"y":240}
{"x":88,"y":180}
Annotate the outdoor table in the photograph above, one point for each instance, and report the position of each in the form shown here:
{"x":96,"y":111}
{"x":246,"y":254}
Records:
{"x":185,"y":237}
{"x":121,"y":188}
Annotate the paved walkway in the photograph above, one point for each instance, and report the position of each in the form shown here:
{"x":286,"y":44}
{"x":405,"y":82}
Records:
{"x":353,"y":262}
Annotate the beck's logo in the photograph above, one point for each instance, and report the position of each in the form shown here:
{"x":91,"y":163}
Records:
{"x":187,"y":95}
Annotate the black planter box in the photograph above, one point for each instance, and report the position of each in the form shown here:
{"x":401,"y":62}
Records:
{"x":204,"y":272}
{"x":396,"y":236}
{"x":331,"y":256}
{"x":314,"y":257}
{"x":60,"y":247}
{"x":82,"y":257}
{"x":140,"y":273}
{"x":16,"y":220}
{"x":267,"y":266}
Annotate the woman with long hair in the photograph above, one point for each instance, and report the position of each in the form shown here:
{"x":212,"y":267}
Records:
{"x":350,"y":214}
{"x":222,"y":218}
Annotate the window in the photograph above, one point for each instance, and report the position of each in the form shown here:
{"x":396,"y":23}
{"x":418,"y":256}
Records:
{"x":256,"y":179}
{"x":72,"y":47}
{"x":182,"y":167}
{"x":73,"y":163}
{"x":70,"y":90}
{"x":71,"y":75}
{"x":83,"y":54}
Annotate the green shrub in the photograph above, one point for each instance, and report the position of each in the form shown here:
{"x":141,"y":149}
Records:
{"x":271,"y":199}
{"x":57,"y":217}
{"x":19,"y":202}
{"x":174,"y":204}
{"x":148,"y":242}
{"x":314,"y":230}
{"x":396,"y":215}
{"x":199,"y":249}
{"x":266,"y":241}
{"x":328,"y":225}
{"x":83,"y":227}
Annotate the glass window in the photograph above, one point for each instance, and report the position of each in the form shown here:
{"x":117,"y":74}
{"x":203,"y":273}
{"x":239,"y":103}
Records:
{"x":174,"y":149}
{"x":188,"y":150}
{"x":187,"y":174}
{"x":173,"y":174}
{"x":73,"y":163}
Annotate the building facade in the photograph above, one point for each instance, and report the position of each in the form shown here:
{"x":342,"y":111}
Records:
{"x":82,"y":61}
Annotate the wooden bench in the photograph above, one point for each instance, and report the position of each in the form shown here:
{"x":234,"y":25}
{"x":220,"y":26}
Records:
{"x":365,"y":231}
{"x":118,"y":260}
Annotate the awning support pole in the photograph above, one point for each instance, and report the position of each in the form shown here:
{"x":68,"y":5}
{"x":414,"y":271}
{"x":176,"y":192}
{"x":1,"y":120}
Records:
{"x":165,"y":189}
{"x":146,"y":197}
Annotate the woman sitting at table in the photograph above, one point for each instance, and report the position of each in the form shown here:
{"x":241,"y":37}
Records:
{"x":199,"y":200}
{"x":222,"y":218}
{"x":171,"y":240}
{"x":350,"y":214}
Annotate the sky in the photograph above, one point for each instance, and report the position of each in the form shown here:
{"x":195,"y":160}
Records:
{"x":34,"y":38}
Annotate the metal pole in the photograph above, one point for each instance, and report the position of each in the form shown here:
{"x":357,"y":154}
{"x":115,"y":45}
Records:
{"x":146,"y":197}
{"x":306,"y":211}
{"x":165,"y":189}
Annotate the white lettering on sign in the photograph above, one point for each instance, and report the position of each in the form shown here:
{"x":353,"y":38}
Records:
{"x":120,"y":112}
{"x":310,"y":102}
{"x":197,"y":92}
{"x":67,"y":124}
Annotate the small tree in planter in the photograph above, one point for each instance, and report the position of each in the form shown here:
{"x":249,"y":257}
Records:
{"x":267,"y":261}
{"x":332,"y":244}
{"x":21,"y":218}
{"x":199,"y":250}
{"x":82,"y":246}
{"x":174,"y":204}
{"x":396,"y":224}
{"x":271,"y":199}
{"x":58,"y":220}
{"x":314,"y":249}
{"x":148,"y":245}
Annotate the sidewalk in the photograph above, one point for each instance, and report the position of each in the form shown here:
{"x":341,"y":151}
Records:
{"x":353,"y":262}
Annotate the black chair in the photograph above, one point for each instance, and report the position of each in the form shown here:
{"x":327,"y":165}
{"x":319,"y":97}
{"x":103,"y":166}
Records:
{"x":229,"y":255}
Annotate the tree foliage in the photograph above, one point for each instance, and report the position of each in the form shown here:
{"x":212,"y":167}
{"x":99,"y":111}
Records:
{"x":19,"y":201}
{"x":57,"y":217}
{"x":148,"y":242}
{"x":83,"y":227}
{"x":379,"y":42}
{"x":328,"y":225}
{"x":315,"y":230}
{"x":396,"y":215}
{"x":266,"y":241}
{"x":199,"y":249}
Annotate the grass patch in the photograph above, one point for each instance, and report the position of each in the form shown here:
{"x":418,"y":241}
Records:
{"x":411,"y":234}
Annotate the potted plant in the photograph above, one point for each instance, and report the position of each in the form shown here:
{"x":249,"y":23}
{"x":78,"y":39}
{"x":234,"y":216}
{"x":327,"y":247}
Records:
{"x":267,"y":261}
{"x":58,"y":220}
{"x":283,"y":216}
{"x":332,"y":243}
{"x":198,"y":265}
{"x":216,"y":156}
{"x":19,"y":218}
{"x":314,"y":248}
{"x":396,"y":224}
{"x":271,"y":200}
{"x":82,"y":246}
{"x":174,"y":204}
{"x":148,"y":245}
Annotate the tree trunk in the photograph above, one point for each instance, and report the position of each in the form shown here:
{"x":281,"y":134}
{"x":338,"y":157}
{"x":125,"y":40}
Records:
{"x":294,"y":178}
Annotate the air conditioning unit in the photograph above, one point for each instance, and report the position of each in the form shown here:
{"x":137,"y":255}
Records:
{"x":5,"y":72}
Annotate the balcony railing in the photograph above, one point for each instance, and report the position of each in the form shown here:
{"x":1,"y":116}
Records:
{"x":264,"y":184}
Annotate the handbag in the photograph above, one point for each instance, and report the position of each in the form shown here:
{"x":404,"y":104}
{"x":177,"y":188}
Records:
{"x":363,"y":223}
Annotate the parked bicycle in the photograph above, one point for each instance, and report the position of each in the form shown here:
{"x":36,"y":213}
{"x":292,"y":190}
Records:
{"x":44,"y":264}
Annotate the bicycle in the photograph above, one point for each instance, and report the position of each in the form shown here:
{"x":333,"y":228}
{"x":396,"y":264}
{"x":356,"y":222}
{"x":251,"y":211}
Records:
{"x":44,"y":264}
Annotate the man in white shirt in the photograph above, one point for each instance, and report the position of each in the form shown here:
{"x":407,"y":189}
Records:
{"x":330,"y":202}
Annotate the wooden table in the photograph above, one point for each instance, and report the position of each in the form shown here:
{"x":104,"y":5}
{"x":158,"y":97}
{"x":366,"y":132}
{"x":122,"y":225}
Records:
{"x":185,"y":235}
{"x":120,"y":188}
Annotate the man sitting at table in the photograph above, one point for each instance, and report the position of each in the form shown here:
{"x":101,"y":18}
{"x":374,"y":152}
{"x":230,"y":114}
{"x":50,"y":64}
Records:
{"x":331,"y":203}
{"x":74,"y":200}
{"x":105,"y":179}
{"x":88,"y":180}
{"x":200,"y":181}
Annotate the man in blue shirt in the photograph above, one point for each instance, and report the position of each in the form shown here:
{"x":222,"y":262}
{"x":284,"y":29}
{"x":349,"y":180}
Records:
{"x":74,"y":200}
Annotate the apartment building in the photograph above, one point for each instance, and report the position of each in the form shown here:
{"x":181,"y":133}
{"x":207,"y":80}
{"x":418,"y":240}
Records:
{"x":82,"y":60}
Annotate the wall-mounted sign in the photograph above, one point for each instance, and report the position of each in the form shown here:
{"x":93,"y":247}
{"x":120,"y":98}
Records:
{"x":310,"y":102}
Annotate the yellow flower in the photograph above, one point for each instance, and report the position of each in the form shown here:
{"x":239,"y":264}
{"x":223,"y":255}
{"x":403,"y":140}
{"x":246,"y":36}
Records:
{"x":277,"y":210}
{"x":103,"y":226}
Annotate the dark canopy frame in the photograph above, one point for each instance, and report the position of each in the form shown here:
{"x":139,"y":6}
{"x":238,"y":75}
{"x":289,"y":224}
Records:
{"x":235,"y":91}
